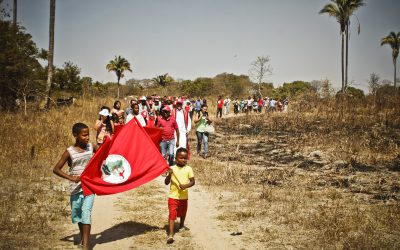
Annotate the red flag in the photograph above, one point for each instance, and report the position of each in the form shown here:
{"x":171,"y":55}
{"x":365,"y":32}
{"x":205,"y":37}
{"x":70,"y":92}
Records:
{"x":125,"y":162}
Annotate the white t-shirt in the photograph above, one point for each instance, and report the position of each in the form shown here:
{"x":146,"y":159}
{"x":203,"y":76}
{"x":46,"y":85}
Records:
{"x":139,"y":117}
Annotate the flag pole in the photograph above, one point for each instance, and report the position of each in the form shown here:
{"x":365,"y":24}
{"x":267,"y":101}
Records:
{"x":176,"y":178}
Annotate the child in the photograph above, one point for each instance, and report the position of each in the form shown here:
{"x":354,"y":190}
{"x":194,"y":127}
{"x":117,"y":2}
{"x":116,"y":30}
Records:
{"x":181,"y":178}
{"x":77,"y":157}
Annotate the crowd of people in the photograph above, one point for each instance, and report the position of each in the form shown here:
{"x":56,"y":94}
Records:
{"x":175,"y":115}
{"x":251,"y":104}
{"x":172,"y":114}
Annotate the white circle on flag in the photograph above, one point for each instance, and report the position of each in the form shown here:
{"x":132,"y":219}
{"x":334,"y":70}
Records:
{"x":115,"y":169}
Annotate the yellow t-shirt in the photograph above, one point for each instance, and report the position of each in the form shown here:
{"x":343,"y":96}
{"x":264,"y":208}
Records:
{"x":183,"y":174}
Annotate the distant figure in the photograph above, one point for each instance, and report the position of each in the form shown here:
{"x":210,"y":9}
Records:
{"x":181,"y":177}
{"x":184,"y":122}
{"x":119,"y":112}
{"x":197,"y":106}
{"x":129,"y":109}
{"x":236,"y":106}
{"x":201,"y":121}
{"x":285,"y":105}
{"x":168,"y":143}
{"x":220,"y":104}
{"x":135,"y":113}
{"x":227,"y":104}
{"x":272,"y":105}
{"x":78,"y":157}
{"x":143,"y":106}
{"x":104,"y":126}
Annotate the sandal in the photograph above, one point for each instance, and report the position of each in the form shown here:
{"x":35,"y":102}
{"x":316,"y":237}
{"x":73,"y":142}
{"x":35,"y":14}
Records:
{"x":170,"y":240}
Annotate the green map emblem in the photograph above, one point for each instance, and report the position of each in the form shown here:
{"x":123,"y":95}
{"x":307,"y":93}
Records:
{"x":115,"y":169}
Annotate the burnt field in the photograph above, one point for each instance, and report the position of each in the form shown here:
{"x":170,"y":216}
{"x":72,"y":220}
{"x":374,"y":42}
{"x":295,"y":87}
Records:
{"x":303,"y":181}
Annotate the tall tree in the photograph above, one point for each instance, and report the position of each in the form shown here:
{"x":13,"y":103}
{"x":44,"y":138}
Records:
{"x":50,"y":52}
{"x":15,"y":12}
{"x":119,"y":65}
{"x":393,"y":40}
{"x":342,"y":10}
{"x":351,"y":7}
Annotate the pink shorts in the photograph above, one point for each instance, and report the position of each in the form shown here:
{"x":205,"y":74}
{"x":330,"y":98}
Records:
{"x":177,"y":208}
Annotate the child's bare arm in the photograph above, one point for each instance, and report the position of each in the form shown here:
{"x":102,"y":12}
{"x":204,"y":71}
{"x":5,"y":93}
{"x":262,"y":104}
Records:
{"x":190,"y":184}
{"x":95,"y":148}
{"x":60,"y":164}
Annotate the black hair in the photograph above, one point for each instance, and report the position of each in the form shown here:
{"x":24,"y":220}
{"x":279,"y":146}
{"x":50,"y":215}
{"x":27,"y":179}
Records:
{"x":105,"y":107}
{"x":180,"y":150}
{"x":115,"y":103}
{"x":77,"y":127}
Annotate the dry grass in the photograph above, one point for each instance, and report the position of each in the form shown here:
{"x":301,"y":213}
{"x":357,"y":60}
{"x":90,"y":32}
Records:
{"x":33,"y":204}
{"x":281,"y":197}
{"x":259,"y":169}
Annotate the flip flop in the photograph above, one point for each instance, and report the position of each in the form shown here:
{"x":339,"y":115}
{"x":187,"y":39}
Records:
{"x":170,"y":240}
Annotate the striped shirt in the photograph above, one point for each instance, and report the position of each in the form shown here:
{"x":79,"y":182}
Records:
{"x":79,"y":160}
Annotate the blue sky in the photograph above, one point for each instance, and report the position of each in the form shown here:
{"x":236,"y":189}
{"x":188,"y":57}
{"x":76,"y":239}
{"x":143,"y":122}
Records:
{"x":189,"y":39}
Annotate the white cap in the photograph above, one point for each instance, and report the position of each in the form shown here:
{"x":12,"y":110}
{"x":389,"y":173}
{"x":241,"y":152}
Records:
{"x":143,"y":98}
{"x":104,"y":112}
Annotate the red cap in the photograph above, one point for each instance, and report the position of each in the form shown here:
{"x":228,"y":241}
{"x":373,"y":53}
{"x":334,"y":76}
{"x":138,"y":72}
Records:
{"x":179,"y":100}
{"x":170,"y":98}
{"x":167,"y":108}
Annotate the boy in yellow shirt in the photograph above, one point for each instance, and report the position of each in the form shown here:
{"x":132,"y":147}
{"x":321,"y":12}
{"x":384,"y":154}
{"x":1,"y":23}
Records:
{"x":181,"y":178}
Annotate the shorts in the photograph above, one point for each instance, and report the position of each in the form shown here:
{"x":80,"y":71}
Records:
{"x":81,"y":208}
{"x":177,"y":208}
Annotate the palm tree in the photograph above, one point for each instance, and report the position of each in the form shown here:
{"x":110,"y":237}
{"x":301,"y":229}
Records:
{"x":119,"y":65}
{"x":162,"y":80}
{"x":342,"y":10}
{"x":351,"y":6}
{"x":393,"y":40}
{"x":15,"y":12}
{"x":50,"y":52}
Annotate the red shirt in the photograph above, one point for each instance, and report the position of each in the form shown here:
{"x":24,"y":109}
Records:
{"x":168,"y":126}
{"x":220,"y":103}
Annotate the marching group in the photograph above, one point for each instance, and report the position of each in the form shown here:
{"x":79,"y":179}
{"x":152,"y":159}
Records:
{"x":255,"y":104}
{"x":173,"y":115}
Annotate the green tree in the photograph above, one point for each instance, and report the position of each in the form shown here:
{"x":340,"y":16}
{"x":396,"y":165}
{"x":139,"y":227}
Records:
{"x":67,"y":77}
{"x":119,"y":65}
{"x":393,"y":40}
{"x":295,"y":88}
{"x":352,"y":92}
{"x":201,"y":86}
{"x":21,"y":73}
{"x":342,"y":10}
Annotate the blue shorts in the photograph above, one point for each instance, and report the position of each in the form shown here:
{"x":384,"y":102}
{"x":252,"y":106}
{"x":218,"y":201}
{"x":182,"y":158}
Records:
{"x":81,"y":208}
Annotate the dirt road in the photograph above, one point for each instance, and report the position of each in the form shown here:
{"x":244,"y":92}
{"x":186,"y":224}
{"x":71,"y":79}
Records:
{"x":112,"y":230}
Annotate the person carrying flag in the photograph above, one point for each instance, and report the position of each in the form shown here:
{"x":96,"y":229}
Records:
{"x":168,"y":143}
{"x":181,"y":177}
{"x":78,"y":157}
